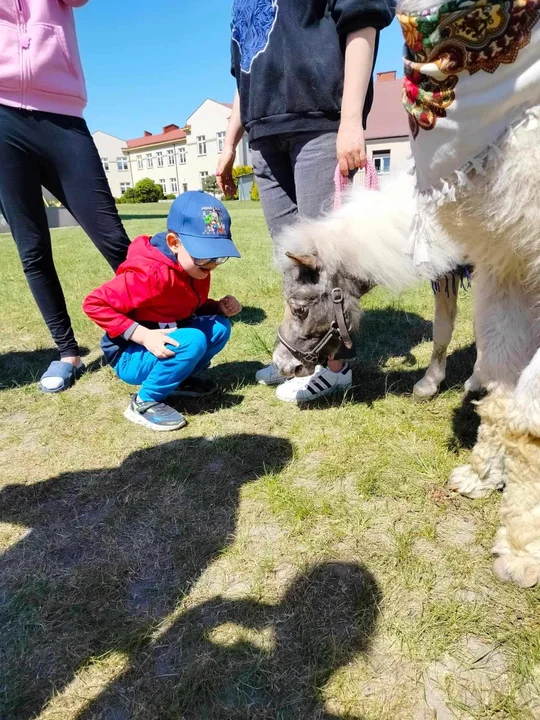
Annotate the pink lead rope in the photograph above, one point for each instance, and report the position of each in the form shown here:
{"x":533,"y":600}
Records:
{"x":342,"y":183}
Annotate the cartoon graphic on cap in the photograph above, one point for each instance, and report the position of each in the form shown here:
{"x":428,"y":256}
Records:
{"x":213,"y":221}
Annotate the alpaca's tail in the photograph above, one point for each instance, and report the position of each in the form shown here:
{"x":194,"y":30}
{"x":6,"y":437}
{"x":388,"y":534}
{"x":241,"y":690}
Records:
{"x":368,"y":238}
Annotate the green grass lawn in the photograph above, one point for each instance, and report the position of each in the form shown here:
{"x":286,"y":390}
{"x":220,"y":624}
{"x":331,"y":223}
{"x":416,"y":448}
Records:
{"x":266,"y":562}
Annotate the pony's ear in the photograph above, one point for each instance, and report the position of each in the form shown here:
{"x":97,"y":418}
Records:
{"x":309,"y":260}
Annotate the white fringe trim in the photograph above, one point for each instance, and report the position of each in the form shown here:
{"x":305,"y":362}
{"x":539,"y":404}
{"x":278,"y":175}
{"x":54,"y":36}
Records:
{"x":424,"y":230}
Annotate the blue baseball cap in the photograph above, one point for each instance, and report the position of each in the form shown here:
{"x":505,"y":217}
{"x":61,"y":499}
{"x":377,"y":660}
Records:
{"x":203,"y":225}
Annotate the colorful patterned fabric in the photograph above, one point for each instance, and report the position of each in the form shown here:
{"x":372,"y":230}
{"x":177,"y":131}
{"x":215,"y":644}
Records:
{"x":471,"y":70}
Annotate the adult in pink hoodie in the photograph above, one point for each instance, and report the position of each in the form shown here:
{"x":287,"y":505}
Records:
{"x":44,"y":141}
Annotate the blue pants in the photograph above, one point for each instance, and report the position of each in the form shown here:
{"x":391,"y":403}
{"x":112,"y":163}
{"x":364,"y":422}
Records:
{"x":200,"y":340}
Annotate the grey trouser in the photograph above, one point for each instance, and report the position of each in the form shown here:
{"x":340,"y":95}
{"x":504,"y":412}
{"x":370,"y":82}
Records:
{"x":295,"y":175}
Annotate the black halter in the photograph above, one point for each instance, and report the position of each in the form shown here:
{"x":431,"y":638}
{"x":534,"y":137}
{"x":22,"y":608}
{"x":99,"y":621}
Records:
{"x":337,"y":328}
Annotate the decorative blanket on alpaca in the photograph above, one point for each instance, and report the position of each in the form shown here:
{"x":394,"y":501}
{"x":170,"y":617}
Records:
{"x":472,"y":76}
{"x":472,"y":70}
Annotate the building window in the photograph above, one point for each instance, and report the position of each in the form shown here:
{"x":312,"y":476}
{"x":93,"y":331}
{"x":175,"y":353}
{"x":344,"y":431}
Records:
{"x":159,"y":159}
{"x":174,"y":185}
{"x":140,"y":162}
{"x":182,"y":155}
{"x":149,"y":161}
{"x":122,"y":163}
{"x":123,"y":187}
{"x":203,"y":174}
{"x":381,"y":160}
{"x":220,"y":141}
{"x":201,"y":145}
{"x":170,"y":155}
{"x":163,"y":184}
{"x":105,"y":163}
{"x":184,"y":187}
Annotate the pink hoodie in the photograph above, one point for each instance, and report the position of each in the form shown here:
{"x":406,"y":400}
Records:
{"x":40,"y":67}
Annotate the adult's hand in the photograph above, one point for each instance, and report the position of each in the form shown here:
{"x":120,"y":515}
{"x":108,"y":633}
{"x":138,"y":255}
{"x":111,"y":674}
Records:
{"x":350,"y":147}
{"x":224,"y":176}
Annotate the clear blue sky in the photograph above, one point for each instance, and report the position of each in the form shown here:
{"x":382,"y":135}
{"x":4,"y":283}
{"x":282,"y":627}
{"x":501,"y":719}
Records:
{"x":152,"y":62}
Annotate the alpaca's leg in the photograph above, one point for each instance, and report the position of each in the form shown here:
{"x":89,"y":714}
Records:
{"x":486,"y":471}
{"x":443,"y":327}
{"x":475,"y":383}
{"x":517,"y":545}
{"x":524,"y":415}
{"x":502,"y":326}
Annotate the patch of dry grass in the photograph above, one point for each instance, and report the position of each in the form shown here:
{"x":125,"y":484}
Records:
{"x":267,"y":562}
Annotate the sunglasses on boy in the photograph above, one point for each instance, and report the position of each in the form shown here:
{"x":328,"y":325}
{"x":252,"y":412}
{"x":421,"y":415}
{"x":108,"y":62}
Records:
{"x":210,"y":261}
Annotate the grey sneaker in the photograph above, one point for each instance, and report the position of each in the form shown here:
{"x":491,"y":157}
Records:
{"x":270,"y":375}
{"x":154,"y":415}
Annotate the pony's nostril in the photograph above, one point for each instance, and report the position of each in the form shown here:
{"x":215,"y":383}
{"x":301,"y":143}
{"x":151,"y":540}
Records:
{"x":298,"y":370}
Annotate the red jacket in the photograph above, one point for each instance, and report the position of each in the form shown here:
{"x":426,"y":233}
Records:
{"x":149,"y":288}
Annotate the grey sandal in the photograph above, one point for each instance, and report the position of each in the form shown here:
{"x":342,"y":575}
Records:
{"x":64,"y":372}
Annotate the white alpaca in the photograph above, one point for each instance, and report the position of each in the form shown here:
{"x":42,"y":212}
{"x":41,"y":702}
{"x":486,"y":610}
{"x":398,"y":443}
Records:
{"x":494,"y":221}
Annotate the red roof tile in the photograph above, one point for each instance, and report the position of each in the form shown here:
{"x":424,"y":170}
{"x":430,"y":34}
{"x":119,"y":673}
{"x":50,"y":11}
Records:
{"x":387,"y":118}
{"x":164,"y":137}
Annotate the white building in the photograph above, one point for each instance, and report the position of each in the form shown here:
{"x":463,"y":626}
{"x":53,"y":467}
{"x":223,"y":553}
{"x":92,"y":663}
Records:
{"x":112,"y":151}
{"x":178,"y":158}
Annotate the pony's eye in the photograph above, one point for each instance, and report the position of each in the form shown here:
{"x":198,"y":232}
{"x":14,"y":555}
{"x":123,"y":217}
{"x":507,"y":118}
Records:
{"x":299,"y":311}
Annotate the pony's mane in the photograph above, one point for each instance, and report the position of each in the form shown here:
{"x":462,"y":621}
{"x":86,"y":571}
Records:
{"x":367,"y":239}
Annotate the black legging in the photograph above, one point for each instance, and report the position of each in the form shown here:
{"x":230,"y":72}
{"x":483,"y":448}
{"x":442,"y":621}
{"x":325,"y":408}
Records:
{"x":57,"y":152}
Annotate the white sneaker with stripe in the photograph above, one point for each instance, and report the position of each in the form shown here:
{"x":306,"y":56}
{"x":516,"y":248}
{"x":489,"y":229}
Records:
{"x":322,"y":382}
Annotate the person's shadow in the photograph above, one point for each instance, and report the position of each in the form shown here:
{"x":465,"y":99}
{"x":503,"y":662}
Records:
{"x":246,"y":660}
{"x":109,"y":553}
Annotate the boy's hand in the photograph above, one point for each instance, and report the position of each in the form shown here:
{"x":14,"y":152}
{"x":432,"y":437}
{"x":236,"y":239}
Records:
{"x":229,"y":306}
{"x":156,"y":341}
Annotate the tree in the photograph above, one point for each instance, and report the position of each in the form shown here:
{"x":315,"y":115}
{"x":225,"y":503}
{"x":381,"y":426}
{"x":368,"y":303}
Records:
{"x":209,"y":185}
{"x":145,"y":191}
{"x":236,"y":173}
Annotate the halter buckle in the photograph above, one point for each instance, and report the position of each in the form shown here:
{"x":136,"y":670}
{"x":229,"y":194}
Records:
{"x":337,"y":296}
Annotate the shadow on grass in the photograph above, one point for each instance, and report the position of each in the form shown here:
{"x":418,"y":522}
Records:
{"x":465,"y":424}
{"x":390,"y":333}
{"x":235,"y":375}
{"x":249,"y":316}
{"x":25,"y":367}
{"x":109,"y":555}
{"x":245,"y":659}
{"x":231,"y":377}
{"x":112,"y":552}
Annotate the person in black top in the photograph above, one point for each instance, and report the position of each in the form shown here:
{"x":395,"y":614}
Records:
{"x":303,"y":70}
